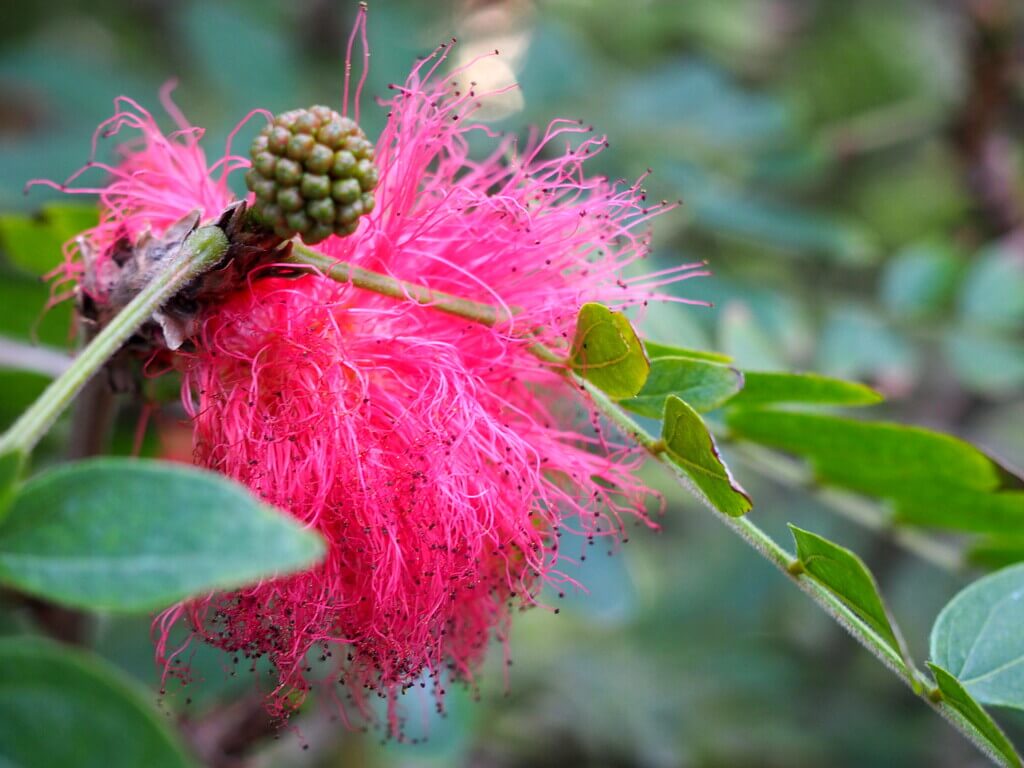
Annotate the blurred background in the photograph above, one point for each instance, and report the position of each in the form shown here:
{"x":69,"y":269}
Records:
{"x":854,"y":174}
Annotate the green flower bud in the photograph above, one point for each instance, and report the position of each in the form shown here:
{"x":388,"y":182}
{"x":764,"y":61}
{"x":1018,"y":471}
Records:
{"x":312,"y":174}
{"x":321,"y":210}
{"x":345,"y":190}
{"x":315,"y":186}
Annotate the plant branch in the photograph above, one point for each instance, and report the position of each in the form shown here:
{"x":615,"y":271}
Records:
{"x":743,"y":527}
{"x":203,"y":248}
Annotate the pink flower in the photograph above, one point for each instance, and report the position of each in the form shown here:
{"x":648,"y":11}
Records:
{"x":436,"y":456}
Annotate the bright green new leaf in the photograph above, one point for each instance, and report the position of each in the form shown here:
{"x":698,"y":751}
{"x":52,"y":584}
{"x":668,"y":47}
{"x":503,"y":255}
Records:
{"x":978,"y":638}
{"x":656,"y":349}
{"x":691,"y":447}
{"x":607,"y":352}
{"x":762,"y":387}
{"x":62,"y":707}
{"x":132,"y":535}
{"x":34,"y":243}
{"x":846,"y":576}
{"x":704,"y":385}
{"x":957,"y":697}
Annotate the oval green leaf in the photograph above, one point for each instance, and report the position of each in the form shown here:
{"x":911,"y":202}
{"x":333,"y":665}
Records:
{"x":845,"y":575}
{"x":607,"y":352}
{"x":61,"y":707}
{"x":978,"y":638}
{"x":702,"y":384}
{"x":133,"y":535}
{"x":690,"y":447}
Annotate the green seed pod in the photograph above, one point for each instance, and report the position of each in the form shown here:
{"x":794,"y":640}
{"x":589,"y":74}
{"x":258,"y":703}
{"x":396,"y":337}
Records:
{"x":312,"y":174}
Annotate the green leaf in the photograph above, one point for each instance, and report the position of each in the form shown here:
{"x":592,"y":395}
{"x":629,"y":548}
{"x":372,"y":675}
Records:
{"x":870,"y":456}
{"x":957,"y":697}
{"x":607,"y":352}
{"x":760,"y":388}
{"x":702,"y":384}
{"x":61,"y":707}
{"x":963,"y":509}
{"x":34,"y":243}
{"x":845,"y":575}
{"x":133,"y":535}
{"x":691,"y":447}
{"x":978,"y":638}
{"x":656,"y":349}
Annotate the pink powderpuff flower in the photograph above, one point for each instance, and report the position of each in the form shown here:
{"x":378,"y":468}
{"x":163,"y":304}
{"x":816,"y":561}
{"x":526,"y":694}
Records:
{"x":436,"y":456}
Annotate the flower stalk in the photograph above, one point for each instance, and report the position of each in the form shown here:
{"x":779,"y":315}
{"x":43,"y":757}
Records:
{"x":203,"y":248}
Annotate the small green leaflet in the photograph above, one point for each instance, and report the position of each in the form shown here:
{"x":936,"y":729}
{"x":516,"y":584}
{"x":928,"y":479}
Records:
{"x":959,"y":699}
{"x":691,"y":448}
{"x":846,"y":576}
{"x":762,"y":388}
{"x":702,"y":384}
{"x":978,"y":638}
{"x":62,"y":707}
{"x":607,"y":352}
{"x":133,"y":535}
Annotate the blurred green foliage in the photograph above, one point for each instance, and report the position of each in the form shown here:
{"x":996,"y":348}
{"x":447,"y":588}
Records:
{"x":854,"y":174}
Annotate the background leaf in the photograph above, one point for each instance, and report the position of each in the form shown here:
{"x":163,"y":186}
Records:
{"x":132,"y":535}
{"x":34,"y":243}
{"x":60,"y":707}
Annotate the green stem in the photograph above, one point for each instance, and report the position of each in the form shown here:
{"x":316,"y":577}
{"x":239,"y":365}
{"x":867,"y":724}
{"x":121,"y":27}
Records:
{"x":203,"y":248}
{"x":754,"y":536}
{"x":366,"y":279}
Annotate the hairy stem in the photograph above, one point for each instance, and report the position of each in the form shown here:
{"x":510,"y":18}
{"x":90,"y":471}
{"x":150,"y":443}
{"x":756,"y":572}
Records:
{"x":203,"y":248}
